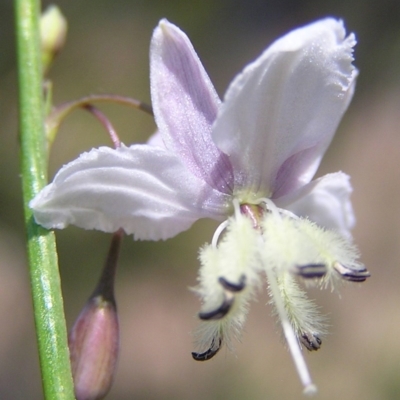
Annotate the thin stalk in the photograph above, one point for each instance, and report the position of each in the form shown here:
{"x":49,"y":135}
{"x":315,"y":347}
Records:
{"x":45,"y":280}
{"x":301,"y":366}
{"x":58,"y":114}
{"x":106,"y":124}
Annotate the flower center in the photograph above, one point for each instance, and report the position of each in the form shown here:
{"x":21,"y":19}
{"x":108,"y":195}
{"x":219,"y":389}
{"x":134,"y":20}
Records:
{"x":262,"y":238}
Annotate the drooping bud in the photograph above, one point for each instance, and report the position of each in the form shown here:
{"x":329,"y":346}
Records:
{"x":94,"y":338}
{"x":53,"y":33}
{"x":93,"y":343}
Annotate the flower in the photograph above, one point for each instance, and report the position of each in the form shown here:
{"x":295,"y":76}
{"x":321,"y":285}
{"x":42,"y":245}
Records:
{"x":247,"y":161}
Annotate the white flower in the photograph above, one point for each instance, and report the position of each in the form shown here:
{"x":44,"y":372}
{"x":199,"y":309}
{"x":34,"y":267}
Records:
{"x":247,"y":161}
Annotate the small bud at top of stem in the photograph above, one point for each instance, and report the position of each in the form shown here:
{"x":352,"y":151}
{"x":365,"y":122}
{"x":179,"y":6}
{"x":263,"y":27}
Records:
{"x":53,"y":32}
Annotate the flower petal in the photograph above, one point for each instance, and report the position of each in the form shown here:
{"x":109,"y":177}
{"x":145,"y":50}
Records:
{"x":185,"y":106}
{"x":145,"y":190}
{"x":156,"y":140}
{"x":280,"y":114}
{"x":325,"y":201}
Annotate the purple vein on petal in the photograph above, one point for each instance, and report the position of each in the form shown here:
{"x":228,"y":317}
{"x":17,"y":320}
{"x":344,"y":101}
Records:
{"x":186,"y":105}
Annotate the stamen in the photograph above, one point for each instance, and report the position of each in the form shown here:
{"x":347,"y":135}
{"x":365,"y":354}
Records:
{"x":311,"y":271}
{"x":236,"y":206}
{"x":221,"y":311}
{"x":288,"y":213}
{"x":276,"y":210}
{"x":290,"y":335}
{"x":351,"y":274}
{"x":311,"y":341}
{"x":218,"y":232}
{"x":233,"y":287}
{"x":270,"y":205}
{"x":210,"y":353}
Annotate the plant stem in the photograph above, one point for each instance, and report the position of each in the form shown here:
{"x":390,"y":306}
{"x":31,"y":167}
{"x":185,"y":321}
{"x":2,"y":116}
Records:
{"x":45,"y":280}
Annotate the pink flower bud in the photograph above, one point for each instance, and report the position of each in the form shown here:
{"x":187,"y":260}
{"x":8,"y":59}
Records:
{"x":94,"y":343}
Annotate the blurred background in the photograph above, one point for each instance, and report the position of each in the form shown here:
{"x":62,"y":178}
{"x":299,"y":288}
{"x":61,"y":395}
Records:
{"x":107,"y":52}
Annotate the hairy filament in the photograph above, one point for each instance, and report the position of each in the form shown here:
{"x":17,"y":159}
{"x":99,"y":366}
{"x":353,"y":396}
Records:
{"x":301,"y":366}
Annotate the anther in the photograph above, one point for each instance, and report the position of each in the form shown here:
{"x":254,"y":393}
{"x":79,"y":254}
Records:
{"x":350,"y":274}
{"x":221,"y":311}
{"x":311,"y":341}
{"x":210,"y":353}
{"x":311,"y":271}
{"x":233,"y":287}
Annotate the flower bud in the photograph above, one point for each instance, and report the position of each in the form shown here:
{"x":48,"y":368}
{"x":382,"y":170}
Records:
{"x":93,"y":343}
{"x":94,"y":338}
{"x":53,"y":33}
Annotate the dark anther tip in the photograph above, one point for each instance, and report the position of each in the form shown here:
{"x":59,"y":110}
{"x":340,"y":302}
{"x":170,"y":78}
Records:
{"x":220,"y":312}
{"x":233,"y":287}
{"x":352,"y":275}
{"x":311,"y":341}
{"x":356,"y":278}
{"x":207,"y":355}
{"x":311,"y":271}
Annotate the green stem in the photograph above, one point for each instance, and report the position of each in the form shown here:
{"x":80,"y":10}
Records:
{"x":45,"y":280}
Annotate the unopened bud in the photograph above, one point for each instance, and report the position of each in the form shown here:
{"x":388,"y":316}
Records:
{"x":53,"y":33}
{"x":94,"y":339}
{"x":93,"y":343}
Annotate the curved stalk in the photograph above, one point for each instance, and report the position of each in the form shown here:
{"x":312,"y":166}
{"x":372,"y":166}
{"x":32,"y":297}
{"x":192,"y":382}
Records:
{"x":57,"y":115}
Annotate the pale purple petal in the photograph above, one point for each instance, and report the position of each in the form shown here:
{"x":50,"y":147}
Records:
{"x":185,"y":106}
{"x":156,"y":140}
{"x":145,"y":190}
{"x":281,"y":113}
{"x":325,"y":201}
